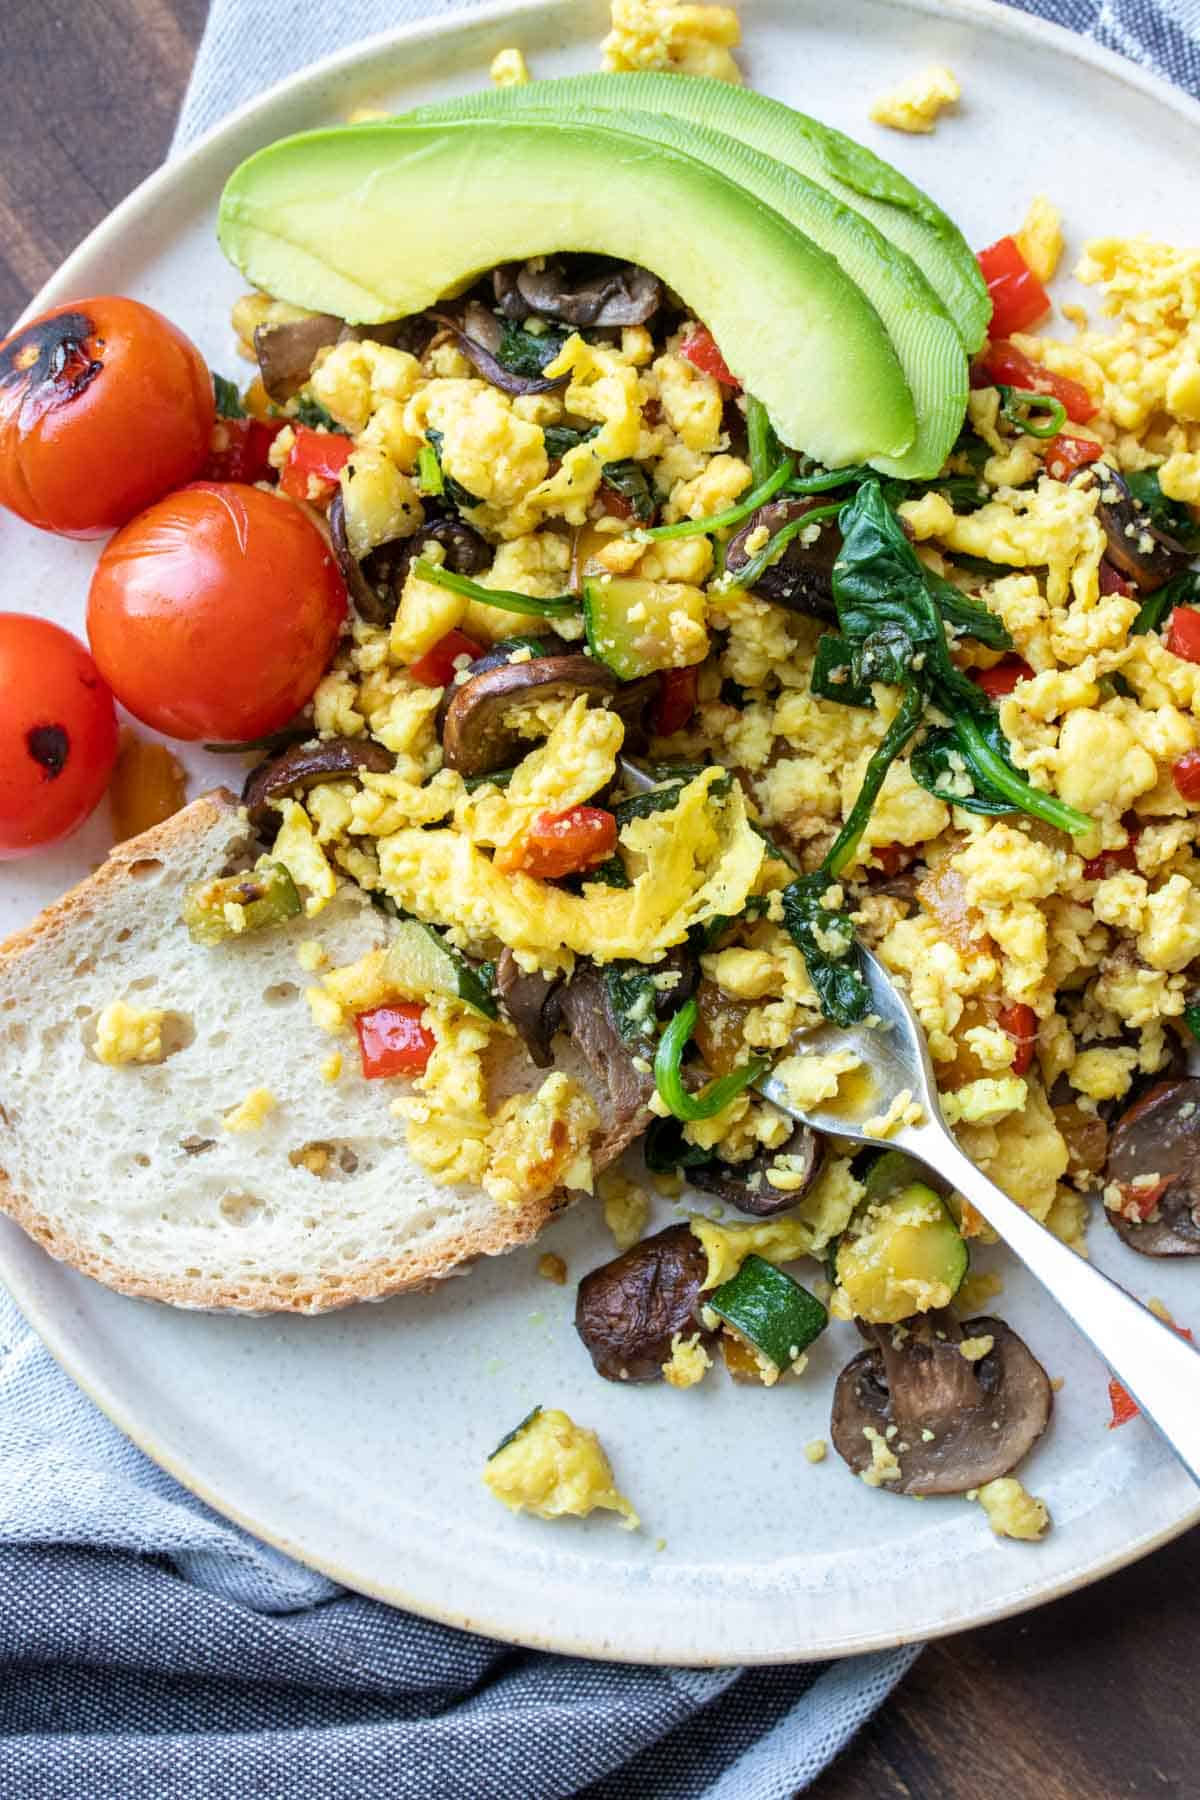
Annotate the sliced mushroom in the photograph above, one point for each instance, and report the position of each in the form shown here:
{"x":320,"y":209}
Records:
{"x":588,"y":1016}
{"x":1138,"y":549}
{"x":983,"y":1416}
{"x":480,"y":730}
{"x":1159,"y":1136}
{"x":377,"y":582}
{"x":533,"y":1003}
{"x":746,"y":1186}
{"x":304,"y":766}
{"x":628,"y":1310}
{"x":286,"y":351}
{"x":802,"y":579}
{"x":681,"y":963}
{"x":489,"y":365}
{"x":578,"y":290}
{"x":500,"y":657}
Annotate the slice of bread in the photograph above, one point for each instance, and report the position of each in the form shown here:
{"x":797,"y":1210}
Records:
{"x":130,"y":1173}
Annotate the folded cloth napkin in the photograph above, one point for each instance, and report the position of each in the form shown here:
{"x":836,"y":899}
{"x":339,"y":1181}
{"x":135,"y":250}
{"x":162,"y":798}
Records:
{"x":151,"y":1649}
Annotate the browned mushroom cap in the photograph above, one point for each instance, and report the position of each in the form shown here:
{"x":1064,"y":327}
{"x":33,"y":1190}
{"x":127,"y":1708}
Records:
{"x":802,"y":579}
{"x":481,"y":352}
{"x":983,"y":1416}
{"x":480,"y":733}
{"x":533,"y":1003}
{"x":587,"y":1015}
{"x":578,"y":290}
{"x":286,"y":350}
{"x":628,"y":1310}
{"x":1138,"y":549}
{"x":745,"y":1185}
{"x":377,"y":582}
{"x":1160,"y":1137}
{"x":303,"y":766}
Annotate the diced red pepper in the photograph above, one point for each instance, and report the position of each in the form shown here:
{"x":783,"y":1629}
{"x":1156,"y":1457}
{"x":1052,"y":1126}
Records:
{"x":614,"y":502}
{"x":1124,"y":1406}
{"x":239,"y":450}
{"x":393,"y":1041}
{"x":1111,"y":579}
{"x":1067,"y":453}
{"x":1003,"y":678}
{"x":1183,"y":633}
{"x":892,"y":857}
{"x":1020,"y":1022}
{"x":1018,"y":297}
{"x":1110,"y":862}
{"x":1186,"y":776}
{"x":564,"y":843}
{"x":314,"y":462}
{"x":676,"y":701}
{"x":1005,"y":363}
{"x":700,"y":349}
{"x":1143,"y":1200}
{"x":437,"y":668}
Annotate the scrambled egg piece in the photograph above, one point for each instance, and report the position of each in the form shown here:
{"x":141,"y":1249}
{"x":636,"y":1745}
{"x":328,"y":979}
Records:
{"x":129,"y":1034}
{"x":1011,"y":1511}
{"x":554,"y":1468}
{"x":671,"y":34}
{"x":252,"y":1113}
{"x":508,"y":68}
{"x":297,"y":849}
{"x":577,"y":759}
{"x":1040,"y":239}
{"x":688,"y":1363}
{"x":914,"y":104}
{"x":626,"y":1208}
{"x":884,"y":1466}
{"x":448,"y":1122}
{"x":540,"y":1142}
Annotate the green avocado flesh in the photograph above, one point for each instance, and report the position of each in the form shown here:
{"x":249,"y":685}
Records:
{"x":848,"y":171}
{"x":373,"y":222}
{"x":926,"y":339}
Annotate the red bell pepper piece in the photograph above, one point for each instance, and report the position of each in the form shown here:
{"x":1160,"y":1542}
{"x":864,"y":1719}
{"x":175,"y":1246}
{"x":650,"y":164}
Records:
{"x":239,"y":450}
{"x":1124,"y":1406}
{"x":1066,"y":453}
{"x":314,"y":462}
{"x":700,"y":349}
{"x":1020,"y":1022}
{"x":1186,"y":775}
{"x":1010,"y":366}
{"x":1018,"y":297}
{"x":393,"y":1041}
{"x":1003,"y":678}
{"x":437,"y":668}
{"x":1112,"y":581}
{"x":563,"y":843}
{"x":676,"y":701}
{"x":1183,"y":633}
{"x":892,"y":857}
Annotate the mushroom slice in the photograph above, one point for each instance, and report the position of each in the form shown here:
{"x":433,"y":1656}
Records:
{"x":483,"y":355}
{"x":286,"y":351}
{"x":581,"y":290}
{"x":746,"y":1186}
{"x":982,"y":1416}
{"x":377,"y":582}
{"x":533,"y":1003}
{"x":802,"y":579}
{"x":1136,"y":548}
{"x":303,"y":766}
{"x":587,"y":1015}
{"x":629,"y":1309}
{"x":1160,"y":1137}
{"x":481,"y":732}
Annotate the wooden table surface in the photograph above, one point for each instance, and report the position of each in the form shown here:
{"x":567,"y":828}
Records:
{"x":1088,"y":1699}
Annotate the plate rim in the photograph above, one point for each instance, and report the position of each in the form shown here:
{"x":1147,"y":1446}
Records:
{"x":357,"y":59}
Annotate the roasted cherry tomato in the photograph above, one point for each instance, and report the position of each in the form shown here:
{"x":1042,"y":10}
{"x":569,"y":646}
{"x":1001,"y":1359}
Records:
{"x":1186,"y":776}
{"x":564,"y":843}
{"x":1066,"y":453}
{"x":1183,"y":633}
{"x":438,"y":666}
{"x":104,"y":407}
{"x":240,"y":449}
{"x":215,"y":613}
{"x":1003,"y":678}
{"x":393,"y":1041}
{"x":1018,"y":297}
{"x":700,"y":349}
{"x":58,"y":734}
{"x":1020,"y":1022}
{"x":676,"y":701}
{"x":1006,"y":364}
{"x":314,"y":462}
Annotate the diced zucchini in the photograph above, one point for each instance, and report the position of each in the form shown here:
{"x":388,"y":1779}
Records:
{"x":890,"y":1171}
{"x":631,"y":623}
{"x":510,"y":1437}
{"x":770,"y":1310}
{"x":229,"y":905}
{"x":901,"y":1254}
{"x":421,"y":962}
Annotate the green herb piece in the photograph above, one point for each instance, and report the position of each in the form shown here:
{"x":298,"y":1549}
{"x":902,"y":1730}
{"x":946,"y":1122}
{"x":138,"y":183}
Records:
{"x":1168,"y":516}
{"x":228,"y":399}
{"x":1182,"y":590}
{"x":429,"y":471}
{"x":629,"y":478}
{"x":762,"y":443}
{"x":632,"y":997}
{"x":665,"y":1149}
{"x":510,"y":1437}
{"x":663,"y":798}
{"x":610,"y":873}
{"x":310,"y":412}
{"x":826,"y":940}
{"x":1019,"y":408}
{"x":770,"y":1310}
{"x":773,"y":549}
{"x":454,"y":491}
{"x":524,"y":352}
{"x":733,"y":515}
{"x":558,"y":439}
{"x":501,"y":597}
{"x":821,"y":481}
{"x":668,"y":1073}
{"x":497,"y":778}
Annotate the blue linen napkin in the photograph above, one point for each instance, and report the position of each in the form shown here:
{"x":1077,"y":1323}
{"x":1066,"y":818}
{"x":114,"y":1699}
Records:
{"x":150,"y":1648}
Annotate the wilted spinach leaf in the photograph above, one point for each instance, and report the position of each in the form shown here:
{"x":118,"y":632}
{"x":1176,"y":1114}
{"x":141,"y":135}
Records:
{"x":826,"y":939}
{"x":227,"y":397}
{"x":629,"y":478}
{"x":1169,"y":516}
{"x":524,"y":352}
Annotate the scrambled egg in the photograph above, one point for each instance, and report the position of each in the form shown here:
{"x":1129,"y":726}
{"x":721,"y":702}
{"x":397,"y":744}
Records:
{"x":1012,"y":1512}
{"x":671,"y":34}
{"x":129,"y":1034}
{"x":508,"y":68}
{"x":252,"y":1113}
{"x":554,"y":1468}
{"x":914,"y":105}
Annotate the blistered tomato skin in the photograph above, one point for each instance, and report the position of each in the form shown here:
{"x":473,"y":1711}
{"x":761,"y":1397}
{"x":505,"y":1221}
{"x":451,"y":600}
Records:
{"x":58,"y":734}
{"x":215,"y":613}
{"x":104,"y":406}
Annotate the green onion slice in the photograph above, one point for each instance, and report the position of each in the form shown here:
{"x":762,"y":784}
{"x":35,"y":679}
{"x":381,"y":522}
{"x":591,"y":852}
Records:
{"x":1017,"y":405}
{"x":733,"y":515}
{"x":429,"y":471}
{"x":501,"y":597}
{"x":761,"y":440}
{"x":668,"y":1073}
{"x":902,"y":727}
{"x":770,"y":1310}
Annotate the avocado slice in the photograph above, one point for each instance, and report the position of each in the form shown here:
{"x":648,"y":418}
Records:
{"x":373,"y":222}
{"x":926,"y":339}
{"x":848,"y":171}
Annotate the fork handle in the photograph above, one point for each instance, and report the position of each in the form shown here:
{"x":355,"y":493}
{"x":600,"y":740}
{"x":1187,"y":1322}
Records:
{"x":1160,"y":1368}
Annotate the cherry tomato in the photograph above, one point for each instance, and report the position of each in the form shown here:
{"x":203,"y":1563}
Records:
{"x":393,"y":1041}
{"x":1006,"y":364}
{"x":314,"y":462}
{"x":1186,"y":776}
{"x":1018,"y":297}
{"x":1003,"y":678}
{"x":564,"y":843}
{"x":58,"y":734}
{"x":1183,"y":634}
{"x":1066,"y":453}
{"x":214,"y":613}
{"x":676,"y":701}
{"x":1020,"y":1022}
{"x":700,"y":349}
{"x":437,"y":667}
{"x":238,"y":450}
{"x":104,"y":407}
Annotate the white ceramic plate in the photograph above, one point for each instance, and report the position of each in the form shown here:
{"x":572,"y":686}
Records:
{"x":355,"y":1442}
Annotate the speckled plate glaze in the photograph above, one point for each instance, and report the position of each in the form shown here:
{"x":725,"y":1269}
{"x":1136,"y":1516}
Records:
{"x":355,"y":1442}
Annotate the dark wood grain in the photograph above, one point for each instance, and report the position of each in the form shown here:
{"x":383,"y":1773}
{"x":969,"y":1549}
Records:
{"x":1088,"y":1699}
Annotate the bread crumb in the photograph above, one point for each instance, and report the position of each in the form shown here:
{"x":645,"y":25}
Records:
{"x":253,"y":1112}
{"x":914,"y":105}
{"x":509,"y":68}
{"x":129,"y":1034}
{"x":815,"y":1450}
{"x":311,"y":955}
{"x":331,"y":1068}
{"x":552,"y":1268}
